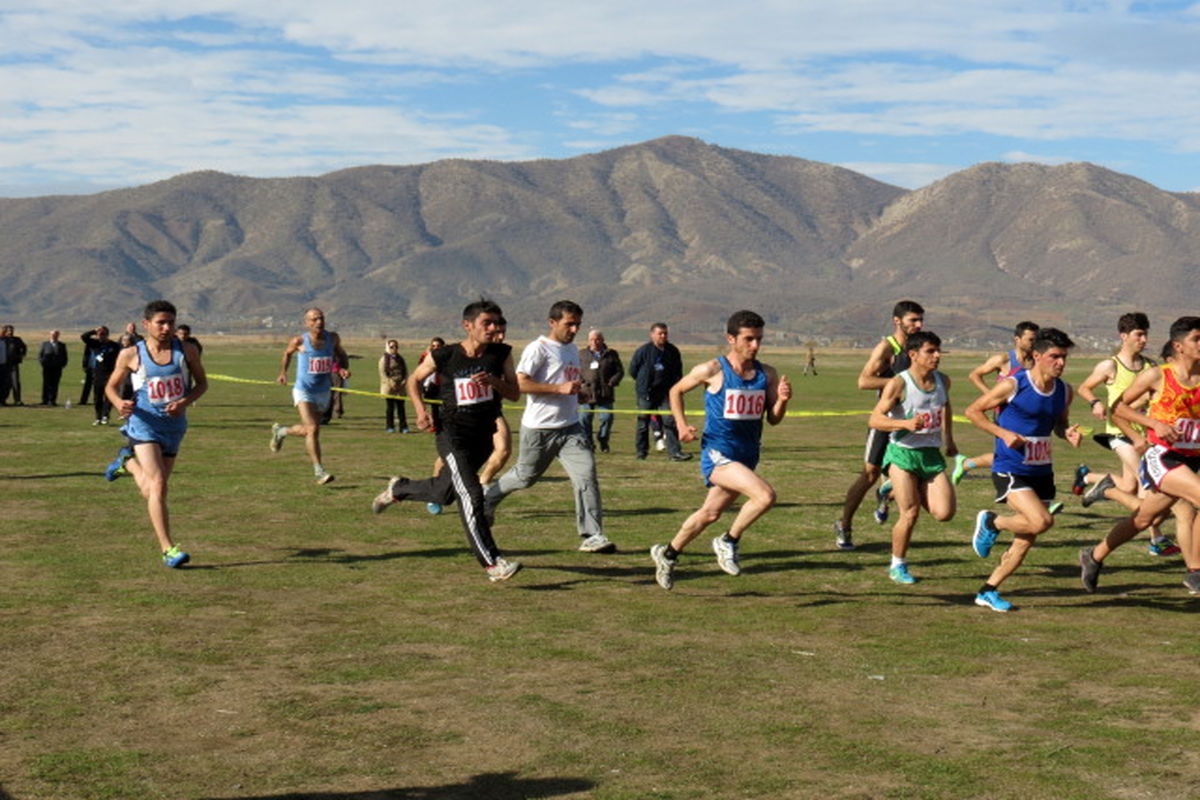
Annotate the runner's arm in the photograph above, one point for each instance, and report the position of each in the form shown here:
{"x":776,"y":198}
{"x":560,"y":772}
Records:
{"x":892,"y":394}
{"x":112,"y":389}
{"x":700,"y":375}
{"x":293,"y":346}
{"x":1125,"y":409}
{"x":779,"y":392}
{"x":1104,"y":372}
{"x":413,"y":387}
{"x":879,"y":360}
{"x":994,"y":364}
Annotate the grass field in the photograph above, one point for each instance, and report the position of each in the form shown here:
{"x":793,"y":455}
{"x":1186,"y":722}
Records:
{"x":312,"y":649}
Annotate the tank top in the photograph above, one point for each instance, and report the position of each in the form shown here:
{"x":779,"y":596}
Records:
{"x":156,"y":386}
{"x":314,"y":367}
{"x":733,"y":414}
{"x":466,"y":405}
{"x":1177,"y":405}
{"x":916,"y":402}
{"x":1121,"y":380}
{"x":1032,"y":414}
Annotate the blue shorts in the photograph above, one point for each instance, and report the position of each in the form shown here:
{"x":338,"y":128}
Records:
{"x":318,"y":399}
{"x":168,"y":440}
{"x":711,"y":458}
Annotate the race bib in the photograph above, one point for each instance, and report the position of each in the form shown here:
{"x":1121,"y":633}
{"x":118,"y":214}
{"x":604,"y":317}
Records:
{"x":744,"y":403}
{"x":320,"y":365}
{"x":930,"y":420}
{"x":162,"y":391}
{"x":1037,"y":451}
{"x":467,"y":392}
{"x":1189,"y":434}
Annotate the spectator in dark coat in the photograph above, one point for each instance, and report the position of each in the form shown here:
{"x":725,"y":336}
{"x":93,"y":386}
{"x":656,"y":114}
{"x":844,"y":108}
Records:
{"x":16,"y":350}
{"x":53,"y":358}
{"x":102,"y":358}
{"x":656,"y":366}
{"x":602,"y":371}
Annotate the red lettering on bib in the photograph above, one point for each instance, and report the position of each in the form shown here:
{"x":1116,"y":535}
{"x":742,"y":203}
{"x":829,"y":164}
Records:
{"x":744,"y":403}
{"x":320,"y":365}
{"x":1037,"y":450}
{"x":467,"y":392}
{"x":164,"y":390}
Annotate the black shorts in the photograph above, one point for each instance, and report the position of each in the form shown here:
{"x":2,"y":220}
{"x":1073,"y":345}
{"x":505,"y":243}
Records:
{"x":877,"y":442}
{"x":1005,"y":482}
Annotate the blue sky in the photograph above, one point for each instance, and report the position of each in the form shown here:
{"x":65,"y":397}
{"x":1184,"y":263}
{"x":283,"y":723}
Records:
{"x":96,"y":94}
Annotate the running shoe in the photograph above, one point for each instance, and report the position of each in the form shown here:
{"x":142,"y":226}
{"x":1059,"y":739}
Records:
{"x":1163,"y":547}
{"x":386,"y":497}
{"x":843,"y":537}
{"x":278,"y":434}
{"x":597,"y":543}
{"x":324,"y":477}
{"x":1054,"y":508}
{"x":1080,"y":484}
{"x":175,"y":558}
{"x":436,"y":508}
{"x":502,"y":570}
{"x":389,"y":430}
{"x":1089,"y":570}
{"x":727,"y":554}
{"x":960,"y":469}
{"x":985,"y":533}
{"x":1095,"y":492}
{"x":883,"y":495}
{"x":664,"y":568}
{"x":900,"y":574}
{"x":993,"y":600}
{"x":682,"y":457}
{"x":117,"y":468}
{"x":660,"y":445}
{"x":1192,"y":582}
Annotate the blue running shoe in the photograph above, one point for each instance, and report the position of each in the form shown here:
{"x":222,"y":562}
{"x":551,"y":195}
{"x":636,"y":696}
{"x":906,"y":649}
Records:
{"x":117,"y":468}
{"x":1080,"y":484}
{"x":985,"y":533}
{"x":883,"y":496}
{"x":175,"y":558}
{"x":900,"y":574}
{"x":993,"y":600}
{"x":433,"y":508}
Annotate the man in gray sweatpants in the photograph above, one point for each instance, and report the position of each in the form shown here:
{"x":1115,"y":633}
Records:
{"x":548,"y":374}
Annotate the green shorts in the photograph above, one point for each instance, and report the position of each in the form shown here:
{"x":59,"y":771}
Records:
{"x":923,"y":462}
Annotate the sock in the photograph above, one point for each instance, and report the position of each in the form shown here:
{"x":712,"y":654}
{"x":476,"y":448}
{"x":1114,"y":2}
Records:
{"x":969,"y":464}
{"x":670,"y":553}
{"x":729,"y":538}
{"x":318,"y":470}
{"x":898,"y":561}
{"x":987,"y":587}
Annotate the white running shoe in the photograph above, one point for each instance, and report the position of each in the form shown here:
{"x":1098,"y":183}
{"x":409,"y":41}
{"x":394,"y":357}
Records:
{"x":727,"y":555}
{"x":664,"y":572}
{"x":386,"y":497}
{"x":597,"y":543}
{"x":278,"y":434}
{"x":502,"y":570}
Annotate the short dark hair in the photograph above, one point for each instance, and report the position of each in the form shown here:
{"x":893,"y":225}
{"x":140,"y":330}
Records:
{"x":658,"y":325}
{"x":564,"y":307}
{"x":1051,"y":337}
{"x":1025,"y":326}
{"x":184,"y":328}
{"x":907,"y":307}
{"x":481,"y":306}
{"x":916,"y":341}
{"x":1168,"y":350}
{"x":1133,"y":321}
{"x":502,"y":322}
{"x":1183,"y":326}
{"x":158,"y":307}
{"x":440,"y":341}
{"x":743,"y":319}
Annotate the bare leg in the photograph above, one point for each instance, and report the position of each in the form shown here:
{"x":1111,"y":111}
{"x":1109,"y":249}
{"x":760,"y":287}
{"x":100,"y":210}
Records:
{"x":1031,"y":518}
{"x":152,"y":472}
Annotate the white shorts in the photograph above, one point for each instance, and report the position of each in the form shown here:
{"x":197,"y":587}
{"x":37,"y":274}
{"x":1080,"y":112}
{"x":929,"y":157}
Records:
{"x":318,"y":399}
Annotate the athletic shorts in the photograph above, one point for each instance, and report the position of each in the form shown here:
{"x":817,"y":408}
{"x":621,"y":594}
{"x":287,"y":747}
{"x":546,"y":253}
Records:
{"x":1113,"y":441}
{"x":169,"y":441}
{"x":1159,"y":460}
{"x":1005,"y":482}
{"x":319,"y":399}
{"x":923,"y":462}
{"x":711,"y":458}
{"x":877,"y":442}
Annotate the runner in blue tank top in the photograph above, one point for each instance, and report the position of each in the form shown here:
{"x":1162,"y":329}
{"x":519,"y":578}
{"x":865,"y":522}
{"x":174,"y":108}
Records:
{"x":167,"y":378}
{"x":319,"y":354}
{"x":1004,"y":365}
{"x":915,"y":409}
{"x":1035,"y":404}
{"x":739,"y":391}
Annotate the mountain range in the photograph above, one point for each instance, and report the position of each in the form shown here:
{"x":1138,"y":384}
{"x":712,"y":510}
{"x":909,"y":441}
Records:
{"x":673,"y":229}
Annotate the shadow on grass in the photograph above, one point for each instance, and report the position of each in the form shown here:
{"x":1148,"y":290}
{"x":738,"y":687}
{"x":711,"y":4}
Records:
{"x":50,"y":476}
{"x":493,"y":786}
{"x":308,"y":555}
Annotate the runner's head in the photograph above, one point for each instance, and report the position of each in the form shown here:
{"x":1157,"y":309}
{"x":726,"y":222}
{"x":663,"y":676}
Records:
{"x":1023,"y":336}
{"x":565,"y":318}
{"x":314,"y":319}
{"x":159,"y":320}
{"x":908,"y":316}
{"x":1132,"y":328}
{"x":744,"y":332}
{"x":1050,"y":351}
{"x":1185,"y":336}
{"x":924,"y":348}
{"x":480,"y":320}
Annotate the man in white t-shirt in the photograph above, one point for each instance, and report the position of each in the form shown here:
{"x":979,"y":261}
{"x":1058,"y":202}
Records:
{"x":548,"y":374}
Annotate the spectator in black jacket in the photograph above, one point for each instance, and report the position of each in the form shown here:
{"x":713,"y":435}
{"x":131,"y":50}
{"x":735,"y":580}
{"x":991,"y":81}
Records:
{"x":16,"y":350}
{"x":101,"y":358}
{"x":53,"y":358}
{"x":602,"y":371}
{"x":656,"y":367}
